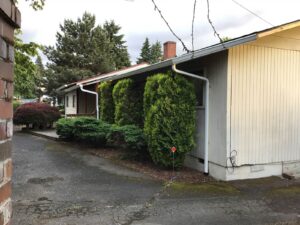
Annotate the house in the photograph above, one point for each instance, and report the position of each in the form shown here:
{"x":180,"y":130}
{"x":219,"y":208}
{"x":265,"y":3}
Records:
{"x":79,"y":101}
{"x":248,"y":120}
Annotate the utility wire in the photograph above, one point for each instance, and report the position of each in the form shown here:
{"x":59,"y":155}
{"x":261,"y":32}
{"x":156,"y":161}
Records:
{"x":212,"y":26}
{"x":253,"y":13}
{"x":193,"y":21}
{"x":172,"y":31}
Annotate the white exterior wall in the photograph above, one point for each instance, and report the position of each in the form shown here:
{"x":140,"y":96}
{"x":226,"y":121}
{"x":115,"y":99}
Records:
{"x":264,"y":104}
{"x":70,"y":109}
{"x":215,"y":68}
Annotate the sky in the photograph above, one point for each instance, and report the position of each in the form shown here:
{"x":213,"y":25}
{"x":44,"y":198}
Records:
{"x":139,"y":20}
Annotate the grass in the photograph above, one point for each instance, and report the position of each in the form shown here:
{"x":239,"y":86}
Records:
{"x":211,"y":188}
{"x":286,"y":191}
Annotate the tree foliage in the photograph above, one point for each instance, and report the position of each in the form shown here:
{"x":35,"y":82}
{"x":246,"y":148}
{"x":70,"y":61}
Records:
{"x":150,"y":53}
{"x":107,"y":107}
{"x":25,"y":69}
{"x":128,"y":101}
{"x":84,"y":49}
{"x":169,"y":104}
{"x":35,"y":4}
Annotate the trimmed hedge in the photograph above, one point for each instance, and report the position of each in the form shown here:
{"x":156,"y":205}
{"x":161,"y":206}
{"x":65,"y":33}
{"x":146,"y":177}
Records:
{"x":107,"y":108}
{"x":90,"y":131}
{"x":129,"y":137}
{"x":169,"y":104}
{"x":128,"y":101}
{"x":83,"y":129}
{"x":39,"y":115}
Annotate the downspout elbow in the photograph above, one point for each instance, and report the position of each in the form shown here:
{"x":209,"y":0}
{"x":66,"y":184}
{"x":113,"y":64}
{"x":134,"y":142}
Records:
{"x":206,"y":111}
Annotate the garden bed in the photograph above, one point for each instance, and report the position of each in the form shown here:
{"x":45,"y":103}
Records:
{"x":184,"y":174}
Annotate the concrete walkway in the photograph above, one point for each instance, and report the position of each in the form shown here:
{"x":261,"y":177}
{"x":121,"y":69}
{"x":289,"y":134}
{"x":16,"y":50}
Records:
{"x":57,"y":183}
{"x":50,"y":134}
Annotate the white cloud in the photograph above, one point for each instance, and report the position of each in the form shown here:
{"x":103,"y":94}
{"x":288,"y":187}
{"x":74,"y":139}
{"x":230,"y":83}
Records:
{"x":139,"y":20}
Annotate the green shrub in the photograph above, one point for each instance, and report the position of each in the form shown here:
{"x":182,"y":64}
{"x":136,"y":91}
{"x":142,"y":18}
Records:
{"x":91,"y":131}
{"x":128,"y":101}
{"x":65,"y":128}
{"x":84,"y":129}
{"x":107,"y":108}
{"x":129,"y":137}
{"x":169,"y":104}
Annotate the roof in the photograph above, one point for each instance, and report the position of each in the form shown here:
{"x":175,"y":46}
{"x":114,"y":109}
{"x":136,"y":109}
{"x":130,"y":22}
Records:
{"x":100,"y":77}
{"x":198,"y":53}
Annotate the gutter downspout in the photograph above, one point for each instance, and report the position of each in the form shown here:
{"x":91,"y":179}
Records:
{"x":94,"y":93}
{"x":206,"y":111}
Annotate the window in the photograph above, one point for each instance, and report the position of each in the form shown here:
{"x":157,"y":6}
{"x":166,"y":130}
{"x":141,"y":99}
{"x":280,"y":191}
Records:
{"x":74,"y":101}
{"x":67,"y":101}
{"x":199,"y":88}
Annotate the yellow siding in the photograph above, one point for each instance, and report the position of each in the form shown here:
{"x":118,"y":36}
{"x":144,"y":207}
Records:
{"x":264,"y":103}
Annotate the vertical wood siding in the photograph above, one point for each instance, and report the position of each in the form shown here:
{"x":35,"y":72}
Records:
{"x":264,"y":90}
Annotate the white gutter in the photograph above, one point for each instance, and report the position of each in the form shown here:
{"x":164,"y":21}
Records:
{"x":206,"y":111}
{"x":94,"y":93}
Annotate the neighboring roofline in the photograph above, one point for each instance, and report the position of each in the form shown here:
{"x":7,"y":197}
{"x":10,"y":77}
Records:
{"x":93,"y":80}
{"x":88,"y":80}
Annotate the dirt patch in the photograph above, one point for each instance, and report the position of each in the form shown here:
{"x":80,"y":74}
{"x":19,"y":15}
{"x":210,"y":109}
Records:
{"x":185,"y":174}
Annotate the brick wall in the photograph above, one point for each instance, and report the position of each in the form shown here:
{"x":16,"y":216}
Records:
{"x":10,"y":19}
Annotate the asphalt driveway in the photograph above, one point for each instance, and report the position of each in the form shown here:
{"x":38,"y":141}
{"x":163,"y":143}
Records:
{"x":59,"y":184}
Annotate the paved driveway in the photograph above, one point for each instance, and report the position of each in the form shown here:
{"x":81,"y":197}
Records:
{"x":57,"y":183}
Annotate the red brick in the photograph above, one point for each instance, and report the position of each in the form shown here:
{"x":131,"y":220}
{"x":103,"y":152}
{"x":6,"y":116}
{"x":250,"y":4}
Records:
{"x":5,"y":152}
{"x":10,"y":91}
{"x":5,"y":192}
{"x":169,"y":50}
{"x":6,"y":70}
{"x":6,"y":7}
{"x":3,"y":131}
{"x":6,"y":31}
{"x":2,"y":88}
{"x":18,"y":18}
{"x":6,"y":111}
{"x":8,"y":169}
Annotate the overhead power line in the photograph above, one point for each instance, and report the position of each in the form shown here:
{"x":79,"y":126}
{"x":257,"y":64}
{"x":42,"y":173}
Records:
{"x":172,"y":31}
{"x":253,"y":13}
{"x":212,"y":26}
{"x":193,"y":21}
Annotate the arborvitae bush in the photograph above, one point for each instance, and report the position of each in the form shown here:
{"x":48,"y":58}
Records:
{"x":169,"y":108}
{"x":107,"y":107}
{"x":128,"y":101}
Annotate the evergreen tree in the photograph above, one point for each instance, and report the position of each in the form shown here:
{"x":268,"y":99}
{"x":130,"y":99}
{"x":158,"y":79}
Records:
{"x":150,"y":53}
{"x":145,"y":55}
{"x":40,"y":80}
{"x":156,"y":53}
{"x":84,"y":49}
{"x":119,"y":49}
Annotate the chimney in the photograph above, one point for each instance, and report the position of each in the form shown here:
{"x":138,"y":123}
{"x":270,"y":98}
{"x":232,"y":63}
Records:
{"x":169,"y":50}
